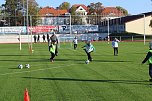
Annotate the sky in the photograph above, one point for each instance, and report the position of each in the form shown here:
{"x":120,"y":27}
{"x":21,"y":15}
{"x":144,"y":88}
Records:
{"x":132,"y":6}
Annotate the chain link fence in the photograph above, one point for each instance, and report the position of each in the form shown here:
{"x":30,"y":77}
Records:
{"x":86,"y":27}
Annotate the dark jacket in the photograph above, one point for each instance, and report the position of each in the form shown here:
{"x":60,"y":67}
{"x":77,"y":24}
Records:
{"x":54,"y":38}
{"x":149,"y":54}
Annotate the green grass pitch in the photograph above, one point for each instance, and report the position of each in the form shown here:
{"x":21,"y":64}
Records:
{"x":107,"y":78}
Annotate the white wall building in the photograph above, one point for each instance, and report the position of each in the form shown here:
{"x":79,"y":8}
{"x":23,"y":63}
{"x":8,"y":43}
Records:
{"x":133,"y":24}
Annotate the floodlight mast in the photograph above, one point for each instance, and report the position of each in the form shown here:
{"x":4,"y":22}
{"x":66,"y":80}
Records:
{"x":20,"y":40}
{"x":70,"y":25}
{"x":144,"y":28}
{"x":27,"y":22}
{"x":108,"y":30}
{"x":27,"y":27}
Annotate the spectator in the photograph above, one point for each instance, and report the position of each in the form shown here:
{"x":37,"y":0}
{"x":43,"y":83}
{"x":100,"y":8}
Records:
{"x":43,"y":38}
{"x":38,"y":38}
{"x":48,"y":39}
{"x":34,"y":38}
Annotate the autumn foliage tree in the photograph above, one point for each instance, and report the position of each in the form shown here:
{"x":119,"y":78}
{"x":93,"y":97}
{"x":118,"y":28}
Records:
{"x":64,"y":6}
{"x":15,"y":10}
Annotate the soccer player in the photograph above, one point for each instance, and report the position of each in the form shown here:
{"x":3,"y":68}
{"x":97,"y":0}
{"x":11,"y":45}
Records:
{"x":54,"y":39}
{"x":149,"y":59}
{"x":52,"y":48}
{"x":75,"y":42}
{"x":115,"y":46}
{"x":88,"y":48}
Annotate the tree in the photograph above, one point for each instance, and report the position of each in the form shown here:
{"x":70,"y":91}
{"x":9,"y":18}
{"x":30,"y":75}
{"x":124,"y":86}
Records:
{"x":64,"y":6}
{"x":95,"y":8}
{"x":1,"y":12}
{"x":33,"y":11}
{"x":72,"y":10}
{"x":15,"y":10}
{"x":74,"y":19}
{"x":125,"y":12}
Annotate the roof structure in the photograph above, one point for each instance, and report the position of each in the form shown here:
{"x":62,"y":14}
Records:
{"x":112,"y":11}
{"x":52,"y":11}
{"x":82,"y":5}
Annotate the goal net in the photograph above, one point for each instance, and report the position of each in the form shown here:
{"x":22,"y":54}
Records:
{"x":65,"y":41}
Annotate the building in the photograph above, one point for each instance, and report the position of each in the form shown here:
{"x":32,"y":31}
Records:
{"x":81,"y":12}
{"x":112,"y":11}
{"x":51,"y":16}
{"x":80,"y":9}
{"x":133,"y":24}
{"x":106,"y":13}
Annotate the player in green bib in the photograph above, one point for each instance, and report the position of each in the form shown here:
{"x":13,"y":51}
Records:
{"x":149,"y":59}
{"x":52,"y":49}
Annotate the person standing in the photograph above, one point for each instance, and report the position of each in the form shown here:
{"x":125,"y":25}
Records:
{"x":48,"y":39}
{"x":149,"y":59}
{"x":54,"y":40}
{"x":89,"y":48}
{"x":34,"y":38}
{"x":115,"y":46}
{"x":38,"y":38}
{"x":75,"y":41}
{"x":43,"y":38}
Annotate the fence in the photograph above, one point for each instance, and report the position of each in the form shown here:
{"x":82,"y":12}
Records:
{"x":81,"y":37}
{"x":86,"y":27}
{"x":133,"y":38}
{"x":65,"y":23}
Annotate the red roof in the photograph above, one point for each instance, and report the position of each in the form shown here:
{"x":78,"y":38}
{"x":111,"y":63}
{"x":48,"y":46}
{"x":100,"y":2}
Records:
{"x":112,"y":11}
{"x":52,"y":11}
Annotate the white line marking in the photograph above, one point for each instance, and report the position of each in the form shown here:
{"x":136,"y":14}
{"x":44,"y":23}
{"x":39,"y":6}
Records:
{"x":36,"y":70}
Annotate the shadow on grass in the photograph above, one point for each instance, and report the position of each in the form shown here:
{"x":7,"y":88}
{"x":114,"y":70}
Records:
{"x":26,"y":60}
{"x":68,"y":60}
{"x":12,"y":55}
{"x":110,"y":61}
{"x":21,"y":55}
{"x":143,"y":82}
{"x":13,"y":68}
{"x":139,"y":53}
{"x":82,"y":60}
{"x":74,"y":54}
{"x":38,"y":60}
{"x":61,"y":60}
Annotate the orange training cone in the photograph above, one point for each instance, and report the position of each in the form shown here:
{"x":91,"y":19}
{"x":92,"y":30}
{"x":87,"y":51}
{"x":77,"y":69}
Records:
{"x":26,"y":96}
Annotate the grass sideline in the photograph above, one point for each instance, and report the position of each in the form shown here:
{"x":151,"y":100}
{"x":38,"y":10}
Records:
{"x":107,"y":78}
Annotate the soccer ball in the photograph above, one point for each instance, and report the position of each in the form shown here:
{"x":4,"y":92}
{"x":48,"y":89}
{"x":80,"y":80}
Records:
{"x":20,"y":66}
{"x":87,"y":61}
{"x":27,"y":66}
